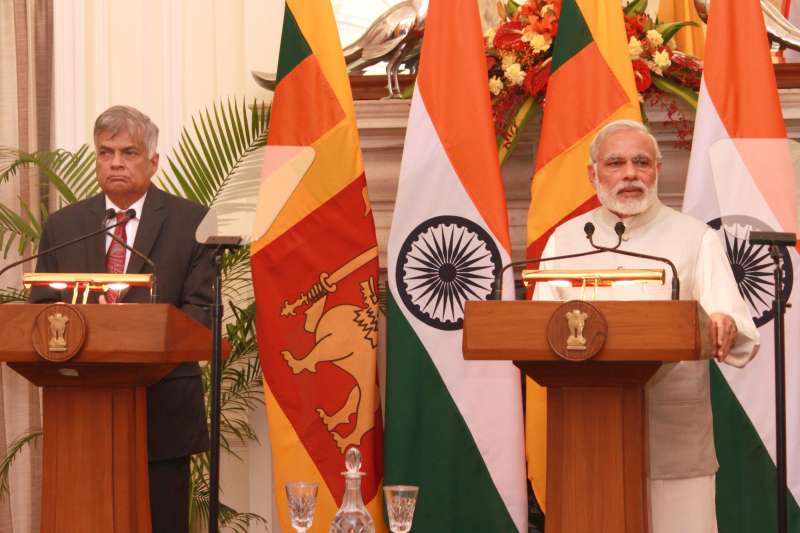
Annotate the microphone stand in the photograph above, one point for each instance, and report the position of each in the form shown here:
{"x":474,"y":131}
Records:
{"x":774,"y":240}
{"x":62,"y":245}
{"x":676,"y":287}
{"x":220,"y":246}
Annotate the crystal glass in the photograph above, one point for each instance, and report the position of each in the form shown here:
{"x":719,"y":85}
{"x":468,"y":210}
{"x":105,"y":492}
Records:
{"x":400,"y":503}
{"x":302,"y":498}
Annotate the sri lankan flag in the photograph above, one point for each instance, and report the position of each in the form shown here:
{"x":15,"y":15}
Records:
{"x":591,"y":84}
{"x":315,"y":277}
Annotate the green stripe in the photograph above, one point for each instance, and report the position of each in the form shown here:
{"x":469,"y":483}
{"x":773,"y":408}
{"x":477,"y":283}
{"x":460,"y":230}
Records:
{"x":294,"y":47}
{"x":746,"y":477}
{"x":429,"y":445}
{"x":573,"y":34}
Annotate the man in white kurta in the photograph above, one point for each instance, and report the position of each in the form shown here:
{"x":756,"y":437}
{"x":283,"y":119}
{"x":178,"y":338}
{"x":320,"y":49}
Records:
{"x":624,"y":170}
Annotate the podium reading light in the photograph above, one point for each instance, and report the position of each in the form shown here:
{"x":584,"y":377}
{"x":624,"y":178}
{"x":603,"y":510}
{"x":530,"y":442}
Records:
{"x":593,"y":278}
{"x":98,"y":282}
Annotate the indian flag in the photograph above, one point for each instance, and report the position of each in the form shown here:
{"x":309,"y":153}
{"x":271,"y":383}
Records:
{"x":741,"y":180}
{"x":454,"y":428}
{"x":591,"y":83}
{"x":315,"y":277}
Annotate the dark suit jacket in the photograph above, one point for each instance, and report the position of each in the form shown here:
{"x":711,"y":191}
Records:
{"x":184,"y":272}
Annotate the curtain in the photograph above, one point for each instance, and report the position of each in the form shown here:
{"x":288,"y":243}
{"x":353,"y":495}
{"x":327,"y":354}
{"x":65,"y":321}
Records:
{"x":26,"y":55}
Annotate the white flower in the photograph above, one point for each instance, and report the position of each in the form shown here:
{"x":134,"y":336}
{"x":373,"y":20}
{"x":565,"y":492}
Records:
{"x":495,"y":85}
{"x":514,"y":73}
{"x":489,"y":37}
{"x":507,"y":59}
{"x":545,"y":9}
{"x":537,"y":41}
{"x":655,"y":38}
{"x":661,"y":59}
{"x":634,"y":47}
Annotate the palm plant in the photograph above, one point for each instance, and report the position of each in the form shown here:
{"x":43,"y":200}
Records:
{"x":215,"y":164}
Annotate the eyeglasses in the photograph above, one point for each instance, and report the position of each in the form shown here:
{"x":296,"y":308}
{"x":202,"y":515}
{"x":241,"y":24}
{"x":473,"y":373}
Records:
{"x":640,"y":162}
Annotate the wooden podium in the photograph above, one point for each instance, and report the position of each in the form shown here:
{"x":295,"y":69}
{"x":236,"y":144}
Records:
{"x":597,"y":426}
{"x":95,"y":409}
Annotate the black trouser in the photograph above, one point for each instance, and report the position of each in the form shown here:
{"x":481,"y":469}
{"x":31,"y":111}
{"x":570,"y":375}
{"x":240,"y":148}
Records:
{"x":169,"y":495}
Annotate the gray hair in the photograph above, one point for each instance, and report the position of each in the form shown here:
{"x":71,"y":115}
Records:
{"x":613,"y":127}
{"x":125,"y":118}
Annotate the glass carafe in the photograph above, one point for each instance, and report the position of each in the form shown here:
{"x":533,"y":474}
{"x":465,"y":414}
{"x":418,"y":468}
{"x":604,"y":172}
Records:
{"x":352,"y":516}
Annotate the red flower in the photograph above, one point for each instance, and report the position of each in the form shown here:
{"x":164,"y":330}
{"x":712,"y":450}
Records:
{"x":641,"y":73}
{"x":635,"y":25}
{"x":535,"y":81}
{"x":685,"y":61}
{"x":509,"y":36}
{"x":547,"y":25}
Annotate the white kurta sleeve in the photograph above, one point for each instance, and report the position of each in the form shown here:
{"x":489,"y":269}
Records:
{"x":715,"y":288}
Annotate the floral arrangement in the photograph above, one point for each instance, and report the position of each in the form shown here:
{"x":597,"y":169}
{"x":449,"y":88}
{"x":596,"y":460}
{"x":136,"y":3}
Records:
{"x":519,"y":53}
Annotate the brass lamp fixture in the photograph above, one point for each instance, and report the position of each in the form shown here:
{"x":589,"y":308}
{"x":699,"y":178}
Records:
{"x":594,"y":278}
{"x":87,"y":282}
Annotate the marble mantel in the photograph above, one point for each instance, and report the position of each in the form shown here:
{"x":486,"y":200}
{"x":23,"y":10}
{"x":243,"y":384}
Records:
{"x":382,"y":128}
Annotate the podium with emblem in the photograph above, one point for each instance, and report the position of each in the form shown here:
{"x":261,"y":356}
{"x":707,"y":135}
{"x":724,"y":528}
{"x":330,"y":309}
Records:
{"x":595,"y":359}
{"x":94,"y":363}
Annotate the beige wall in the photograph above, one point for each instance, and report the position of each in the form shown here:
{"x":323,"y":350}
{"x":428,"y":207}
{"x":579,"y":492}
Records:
{"x":170,"y":58}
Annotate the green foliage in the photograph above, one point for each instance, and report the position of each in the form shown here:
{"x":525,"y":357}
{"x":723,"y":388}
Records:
{"x":10,"y":295}
{"x":29,"y":438}
{"x":635,"y":7}
{"x":241,"y":379}
{"x":199,"y":508}
{"x":668,"y":86}
{"x":71,"y":174}
{"x":209,"y":157}
{"x":668,"y":30}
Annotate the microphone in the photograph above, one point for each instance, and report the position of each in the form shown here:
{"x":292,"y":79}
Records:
{"x":130,"y":214}
{"x":619,"y":229}
{"x":65,"y":244}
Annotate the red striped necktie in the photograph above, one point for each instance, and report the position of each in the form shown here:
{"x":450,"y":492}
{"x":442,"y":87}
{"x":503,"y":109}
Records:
{"x":115,"y":257}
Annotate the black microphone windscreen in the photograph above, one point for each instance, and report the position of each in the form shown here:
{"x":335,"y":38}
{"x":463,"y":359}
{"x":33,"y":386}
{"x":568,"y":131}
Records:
{"x":131,"y":214}
{"x":588,"y":229}
{"x":110,"y":213}
{"x":619,"y":229}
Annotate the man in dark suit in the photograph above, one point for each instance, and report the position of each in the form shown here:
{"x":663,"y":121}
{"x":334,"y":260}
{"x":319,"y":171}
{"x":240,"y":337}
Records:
{"x":164,"y":228}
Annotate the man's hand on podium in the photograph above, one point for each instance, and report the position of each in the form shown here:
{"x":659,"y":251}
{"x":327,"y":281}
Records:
{"x":723,"y":334}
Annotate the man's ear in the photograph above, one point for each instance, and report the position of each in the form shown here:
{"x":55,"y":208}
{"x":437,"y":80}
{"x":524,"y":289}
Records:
{"x":590,"y":172}
{"x":154,"y":162}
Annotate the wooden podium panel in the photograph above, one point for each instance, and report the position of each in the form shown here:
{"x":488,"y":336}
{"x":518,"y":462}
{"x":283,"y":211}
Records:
{"x":95,"y":477}
{"x":597,"y":421}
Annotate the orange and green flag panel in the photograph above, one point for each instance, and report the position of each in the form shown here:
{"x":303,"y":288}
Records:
{"x":315,"y":278}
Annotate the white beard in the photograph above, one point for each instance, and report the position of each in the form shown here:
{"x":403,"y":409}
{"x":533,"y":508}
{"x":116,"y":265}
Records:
{"x":622,"y":206}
